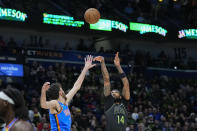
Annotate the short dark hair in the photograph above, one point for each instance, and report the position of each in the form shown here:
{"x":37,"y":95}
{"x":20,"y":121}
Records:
{"x":53,"y":92}
{"x":21,"y":111}
{"x":116,"y":90}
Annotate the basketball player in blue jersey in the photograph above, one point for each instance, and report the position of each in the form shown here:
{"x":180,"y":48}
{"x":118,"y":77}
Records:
{"x":60,"y":117}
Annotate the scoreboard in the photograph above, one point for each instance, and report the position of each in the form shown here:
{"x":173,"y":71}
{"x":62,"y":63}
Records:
{"x":61,"y":20}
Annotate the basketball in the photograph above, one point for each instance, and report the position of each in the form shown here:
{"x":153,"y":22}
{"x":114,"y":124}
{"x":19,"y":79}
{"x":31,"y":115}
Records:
{"x":92,"y":16}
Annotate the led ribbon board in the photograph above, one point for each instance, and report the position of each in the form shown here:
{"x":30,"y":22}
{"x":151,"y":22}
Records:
{"x":108,"y":25}
{"x":146,"y":28}
{"x":12,"y":14}
{"x":188,"y":33}
{"x":61,"y":20}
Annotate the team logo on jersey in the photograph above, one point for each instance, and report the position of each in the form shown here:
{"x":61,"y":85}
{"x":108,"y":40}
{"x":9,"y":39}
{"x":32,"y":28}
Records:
{"x":67,"y":112}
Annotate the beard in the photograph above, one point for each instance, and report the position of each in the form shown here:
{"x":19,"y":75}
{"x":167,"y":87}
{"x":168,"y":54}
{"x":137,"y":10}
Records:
{"x":117,"y":100}
{"x":64,"y":96}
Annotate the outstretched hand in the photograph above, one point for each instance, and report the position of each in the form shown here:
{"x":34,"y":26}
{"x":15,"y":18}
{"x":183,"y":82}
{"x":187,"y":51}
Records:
{"x":117,"y":59}
{"x":99,"y":58}
{"x":88,"y":62}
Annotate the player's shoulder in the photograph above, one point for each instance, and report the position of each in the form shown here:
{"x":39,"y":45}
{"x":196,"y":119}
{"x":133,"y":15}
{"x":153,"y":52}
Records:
{"x":124,"y":102}
{"x":53,"y":101}
{"x":108,"y":97}
{"x":52,"y":104}
{"x":22,"y":125}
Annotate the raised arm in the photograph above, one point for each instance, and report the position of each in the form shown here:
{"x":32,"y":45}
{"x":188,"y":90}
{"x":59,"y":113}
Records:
{"x":43,"y":102}
{"x":107,"y":85}
{"x":78,"y":83}
{"x":126,"y":90}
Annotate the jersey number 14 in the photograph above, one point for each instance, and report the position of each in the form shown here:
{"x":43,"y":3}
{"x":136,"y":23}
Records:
{"x":120,"y":119}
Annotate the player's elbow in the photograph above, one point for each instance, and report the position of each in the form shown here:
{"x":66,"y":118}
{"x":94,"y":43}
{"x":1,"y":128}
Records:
{"x":106,"y":94}
{"x":44,"y":106}
{"x":127,"y":97}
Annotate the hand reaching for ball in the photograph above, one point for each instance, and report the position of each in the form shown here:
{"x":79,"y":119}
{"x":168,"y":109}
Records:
{"x":99,"y":58}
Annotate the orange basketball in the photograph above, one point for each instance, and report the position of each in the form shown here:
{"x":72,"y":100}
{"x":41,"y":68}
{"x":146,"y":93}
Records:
{"x":92,"y":16}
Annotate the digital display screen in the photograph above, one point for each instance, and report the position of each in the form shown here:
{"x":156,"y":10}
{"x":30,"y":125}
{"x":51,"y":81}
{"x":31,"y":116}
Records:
{"x":146,"y":28}
{"x":102,"y":24}
{"x":12,"y":14}
{"x":108,"y":25}
{"x":61,"y":20}
{"x":119,"y":25}
{"x":11,"y":69}
{"x":188,"y":33}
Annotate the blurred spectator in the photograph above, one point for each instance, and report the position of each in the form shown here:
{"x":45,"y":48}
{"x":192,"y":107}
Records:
{"x":12,"y":43}
{"x":47,"y":44}
{"x":101,"y":50}
{"x":66,"y":46}
{"x":40,"y":42}
{"x":24,"y":44}
{"x":2,"y":43}
{"x":43,"y":125}
{"x":81,"y":46}
{"x":128,"y":9}
{"x":46,"y":127}
{"x":31,"y":115}
{"x":162,"y":55}
{"x":140,"y":18}
{"x":37,"y":116}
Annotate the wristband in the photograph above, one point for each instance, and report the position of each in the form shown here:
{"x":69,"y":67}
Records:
{"x":122,"y":75}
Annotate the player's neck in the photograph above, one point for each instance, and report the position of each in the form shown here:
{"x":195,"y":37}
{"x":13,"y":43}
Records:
{"x":62,"y":100}
{"x":116,"y":102}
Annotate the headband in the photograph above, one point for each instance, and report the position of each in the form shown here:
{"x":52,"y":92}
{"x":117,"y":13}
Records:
{"x":3,"y":96}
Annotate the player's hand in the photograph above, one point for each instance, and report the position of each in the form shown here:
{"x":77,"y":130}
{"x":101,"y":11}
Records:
{"x":45,"y":86}
{"x":117,"y":59}
{"x":99,"y":58}
{"x":88,"y":62}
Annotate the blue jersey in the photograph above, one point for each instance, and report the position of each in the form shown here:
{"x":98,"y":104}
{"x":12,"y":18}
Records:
{"x":10,"y":125}
{"x":62,"y":120}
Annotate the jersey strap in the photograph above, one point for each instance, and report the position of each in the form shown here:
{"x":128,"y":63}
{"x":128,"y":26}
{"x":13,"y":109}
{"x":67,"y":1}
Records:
{"x":9,"y":126}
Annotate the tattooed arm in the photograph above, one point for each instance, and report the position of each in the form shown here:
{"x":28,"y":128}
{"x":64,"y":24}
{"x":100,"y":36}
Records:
{"x":126,"y":90}
{"x":107,"y":85}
